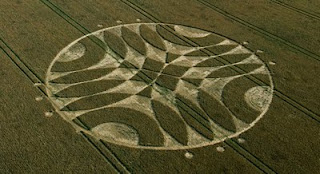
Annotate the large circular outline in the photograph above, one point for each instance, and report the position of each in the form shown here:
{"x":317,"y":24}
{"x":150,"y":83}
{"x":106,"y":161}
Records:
{"x":80,"y":129}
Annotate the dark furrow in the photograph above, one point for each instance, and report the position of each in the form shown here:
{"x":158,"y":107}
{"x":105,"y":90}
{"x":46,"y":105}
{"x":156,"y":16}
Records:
{"x":283,"y":96}
{"x":260,"y":30}
{"x":35,"y":79}
{"x":94,"y":39}
{"x":155,"y":20}
{"x":298,"y":10}
{"x":247,"y":155}
{"x":147,"y":15}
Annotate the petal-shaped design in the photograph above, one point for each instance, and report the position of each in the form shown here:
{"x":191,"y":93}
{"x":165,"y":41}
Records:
{"x":148,"y":76}
{"x":146,"y":92}
{"x":227,"y":42}
{"x":191,"y":32}
{"x":92,"y":55}
{"x":175,"y":70}
{"x":252,"y":59}
{"x":115,"y":43}
{"x":187,"y":103}
{"x":234,"y":98}
{"x":221,"y":49}
{"x":169,"y":36}
{"x":198,"y":72}
{"x":145,"y":76}
{"x":146,"y":127}
{"x":171,"y":122}
{"x":75,"y":52}
{"x":228,"y":71}
{"x":214,"y":86}
{"x":128,"y":87}
{"x":195,"y":82}
{"x":81,"y":76}
{"x":109,"y":61}
{"x":167,"y":81}
{"x":128,"y":65}
{"x":152,"y":37}
{"x":133,"y":40}
{"x":237,"y":50}
{"x":197,"y":123}
{"x":136,"y":102}
{"x":120,"y":74}
{"x":192,"y":105}
{"x":134,"y":59}
{"x":209,"y":40}
{"x":96,"y":101}
{"x":117,"y":132}
{"x":178,"y":49}
{"x":209,"y":62}
{"x":146,"y":85}
{"x":185,"y":61}
{"x":155,"y":53}
{"x":152,"y":65}
{"x":234,"y":58}
{"x":247,"y":68}
{"x":171,"y":57}
{"x":190,"y":61}
{"x":199,"y":53}
{"x":89,"y":88}
{"x":216,"y":111}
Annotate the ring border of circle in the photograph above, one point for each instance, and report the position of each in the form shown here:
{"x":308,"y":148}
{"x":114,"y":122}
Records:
{"x":77,"y":127}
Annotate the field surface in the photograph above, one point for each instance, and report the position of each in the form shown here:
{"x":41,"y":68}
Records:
{"x":140,"y":86}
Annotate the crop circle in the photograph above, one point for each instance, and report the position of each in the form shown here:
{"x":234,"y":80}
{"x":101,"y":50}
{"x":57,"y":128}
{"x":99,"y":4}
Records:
{"x":159,"y":86}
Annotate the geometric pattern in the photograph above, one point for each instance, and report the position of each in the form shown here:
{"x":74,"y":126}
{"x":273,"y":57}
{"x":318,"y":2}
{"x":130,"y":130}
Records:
{"x":147,"y":85}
